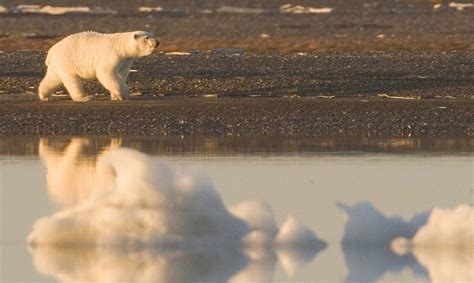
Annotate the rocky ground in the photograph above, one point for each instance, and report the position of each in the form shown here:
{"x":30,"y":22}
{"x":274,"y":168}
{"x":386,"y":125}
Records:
{"x":396,"y":68}
{"x":240,"y":117}
{"x":257,"y":26}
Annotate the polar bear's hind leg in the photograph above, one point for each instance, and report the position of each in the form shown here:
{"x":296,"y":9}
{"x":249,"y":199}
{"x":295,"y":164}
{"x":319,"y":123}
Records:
{"x":74,"y":86}
{"x":48,"y":85}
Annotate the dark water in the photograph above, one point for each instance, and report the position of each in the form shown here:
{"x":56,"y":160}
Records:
{"x":344,"y":190}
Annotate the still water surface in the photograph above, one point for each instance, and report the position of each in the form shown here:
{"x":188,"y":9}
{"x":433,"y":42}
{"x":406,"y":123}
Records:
{"x":335,"y":191}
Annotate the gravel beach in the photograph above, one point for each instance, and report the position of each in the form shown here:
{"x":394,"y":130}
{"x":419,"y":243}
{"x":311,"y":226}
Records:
{"x":248,"y":68}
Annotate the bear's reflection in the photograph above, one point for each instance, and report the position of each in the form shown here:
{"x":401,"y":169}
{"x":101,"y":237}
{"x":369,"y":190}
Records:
{"x":71,"y":174}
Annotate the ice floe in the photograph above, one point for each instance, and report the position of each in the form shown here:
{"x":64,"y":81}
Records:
{"x":150,"y":9}
{"x":60,"y":10}
{"x":444,"y":245}
{"x":133,"y":201}
{"x":143,"y":221}
{"x":460,"y":6}
{"x":366,"y":240}
{"x":298,"y":9}
{"x":178,"y":53}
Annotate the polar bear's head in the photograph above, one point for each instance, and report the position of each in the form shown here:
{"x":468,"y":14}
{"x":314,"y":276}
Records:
{"x":143,"y":43}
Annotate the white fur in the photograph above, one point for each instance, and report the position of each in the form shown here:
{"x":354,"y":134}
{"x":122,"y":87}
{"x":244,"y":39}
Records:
{"x":90,"y":56}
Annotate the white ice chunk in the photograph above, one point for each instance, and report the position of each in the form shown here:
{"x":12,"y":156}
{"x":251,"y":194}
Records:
{"x":150,"y":9}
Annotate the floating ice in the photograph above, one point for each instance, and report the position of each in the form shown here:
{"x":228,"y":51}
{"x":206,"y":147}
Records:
{"x":58,"y":10}
{"x":150,"y":9}
{"x":298,"y":9}
{"x":144,"y":222}
{"x":449,"y":227}
{"x":137,"y":202}
{"x":444,"y":245}
{"x":460,"y":6}
{"x":177,"y":53}
{"x":258,"y":215}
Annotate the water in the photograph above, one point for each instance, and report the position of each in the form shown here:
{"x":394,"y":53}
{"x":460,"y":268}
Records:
{"x":309,"y":179}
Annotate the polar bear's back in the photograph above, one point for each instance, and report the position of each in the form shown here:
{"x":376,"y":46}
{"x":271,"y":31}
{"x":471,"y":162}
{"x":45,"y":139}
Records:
{"x":81,"y":52}
{"x":85,"y":42}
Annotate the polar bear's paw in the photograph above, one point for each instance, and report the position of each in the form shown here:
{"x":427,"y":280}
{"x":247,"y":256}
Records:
{"x":44,"y":98}
{"x":118,"y":97}
{"x":81,"y":99}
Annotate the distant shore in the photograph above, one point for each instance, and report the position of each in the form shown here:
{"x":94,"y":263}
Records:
{"x":265,"y":26}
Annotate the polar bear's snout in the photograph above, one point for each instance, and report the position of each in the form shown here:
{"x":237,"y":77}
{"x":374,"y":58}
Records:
{"x":146,"y":43}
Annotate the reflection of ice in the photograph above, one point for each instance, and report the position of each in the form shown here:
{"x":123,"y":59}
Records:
{"x":366,"y":242}
{"x":260,"y":267}
{"x":445,"y":245}
{"x":366,"y":225}
{"x":138,"y":205}
{"x":90,"y":265}
{"x":369,"y":263}
{"x":79,"y":264}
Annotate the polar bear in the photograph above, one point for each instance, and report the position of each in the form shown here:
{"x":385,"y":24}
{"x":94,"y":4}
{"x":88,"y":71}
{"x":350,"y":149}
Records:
{"x":93,"y":55}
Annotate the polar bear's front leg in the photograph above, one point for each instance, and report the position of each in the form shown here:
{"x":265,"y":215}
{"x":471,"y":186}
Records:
{"x":115,"y":84}
{"x":74,"y":86}
{"x":48,"y":85}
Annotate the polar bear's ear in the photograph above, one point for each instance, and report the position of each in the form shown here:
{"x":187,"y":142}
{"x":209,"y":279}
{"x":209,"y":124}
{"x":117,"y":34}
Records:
{"x":138,"y":36}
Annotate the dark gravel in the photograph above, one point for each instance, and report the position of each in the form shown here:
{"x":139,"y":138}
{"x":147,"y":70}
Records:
{"x":240,"y":117}
{"x":353,"y":54}
{"x":353,"y":25}
{"x":223,"y":73}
